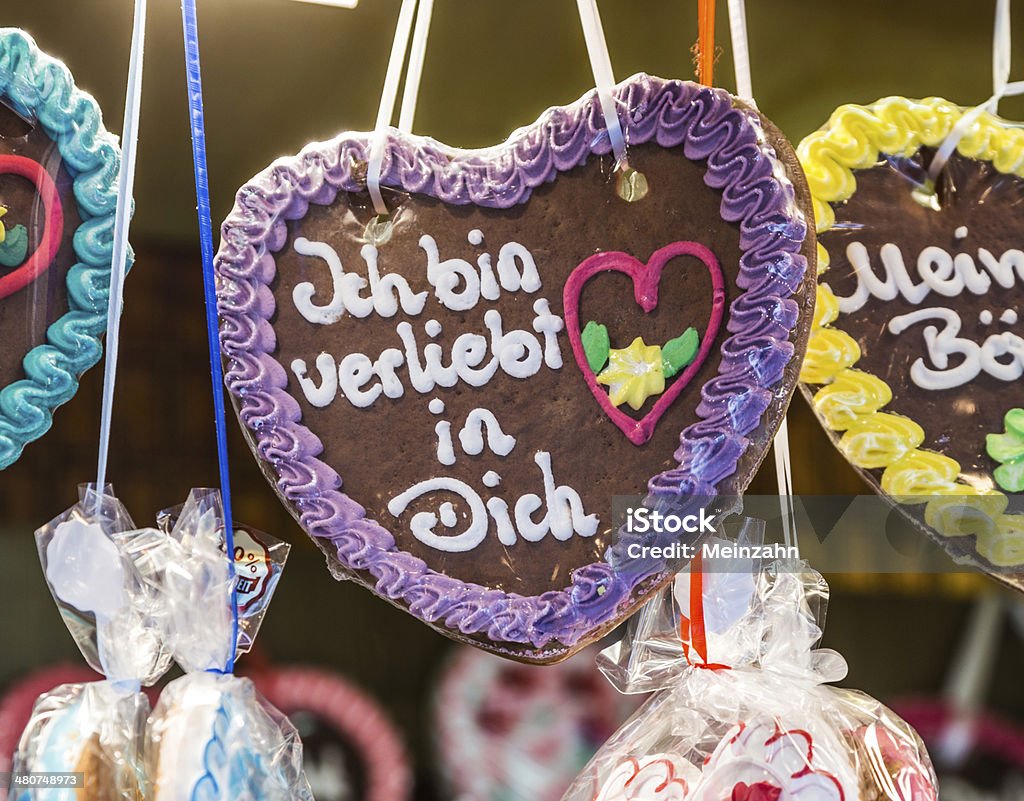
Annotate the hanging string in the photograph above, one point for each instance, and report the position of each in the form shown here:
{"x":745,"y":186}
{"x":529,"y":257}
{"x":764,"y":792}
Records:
{"x":970,"y":677}
{"x":604,"y":78}
{"x":119,"y":251}
{"x":193,"y":77}
{"x":740,"y":49}
{"x":784,"y":478}
{"x":706,"y":41}
{"x":1001,"y":87}
{"x":414,"y":72}
{"x":386,"y":109}
{"x":780,"y":445}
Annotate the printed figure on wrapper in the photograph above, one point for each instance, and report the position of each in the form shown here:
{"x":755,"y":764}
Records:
{"x":741,"y":708}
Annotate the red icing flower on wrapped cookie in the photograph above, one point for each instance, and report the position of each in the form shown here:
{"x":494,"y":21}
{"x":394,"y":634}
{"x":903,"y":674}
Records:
{"x":766,"y":763}
{"x":659,"y":777}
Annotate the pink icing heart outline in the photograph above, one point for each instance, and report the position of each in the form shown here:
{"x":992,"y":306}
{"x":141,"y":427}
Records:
{"x":646,"y":279}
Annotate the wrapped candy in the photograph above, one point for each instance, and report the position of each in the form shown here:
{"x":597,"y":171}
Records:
{"x":110,"y":606}
{"x":212,"y":736}
{"x":743,"y":711}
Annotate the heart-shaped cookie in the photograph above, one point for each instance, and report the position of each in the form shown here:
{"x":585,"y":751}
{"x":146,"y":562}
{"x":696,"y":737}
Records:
{"x":433,"y":364}
{"x":58,"y":192}
{"x":917,"y":352}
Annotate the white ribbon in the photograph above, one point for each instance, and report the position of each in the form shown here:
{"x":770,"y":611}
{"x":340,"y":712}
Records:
{"x":1001,"y":87}
{"x":600,"y":63}
{"x":740,"y":49}
{"x":386,"y":109}
{"x":122,"y":222}
{"x":604,"y":78}
{"x":414,"y":72}
{"x":745,"y":91}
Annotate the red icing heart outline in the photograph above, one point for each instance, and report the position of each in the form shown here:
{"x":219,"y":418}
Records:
{"x":646,"y":279}
{"x":53,"y":231}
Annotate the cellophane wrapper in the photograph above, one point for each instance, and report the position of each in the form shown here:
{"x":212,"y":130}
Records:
{"x":212,"y":736}
{"x":95,"y":730}
{"x":109,"y":601}
{"x":215,"y":737}
{"x":198,"y":582}
{"x":755,"y":719}
{"x":98,"y":569}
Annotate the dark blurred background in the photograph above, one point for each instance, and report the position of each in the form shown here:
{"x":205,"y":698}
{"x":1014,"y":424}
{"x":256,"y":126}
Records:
{"x":279,"y":74}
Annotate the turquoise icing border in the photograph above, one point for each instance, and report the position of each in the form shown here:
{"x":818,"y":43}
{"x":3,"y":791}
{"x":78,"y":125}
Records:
{"x":42,"y":88}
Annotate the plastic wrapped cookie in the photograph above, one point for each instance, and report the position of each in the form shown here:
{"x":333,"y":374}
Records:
{"x":742,"y":710}
{"x":107,"y":599}
{"x":212,"y":735}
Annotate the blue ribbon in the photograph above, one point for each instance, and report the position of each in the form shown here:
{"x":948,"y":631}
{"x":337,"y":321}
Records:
{"x":194,"y":82}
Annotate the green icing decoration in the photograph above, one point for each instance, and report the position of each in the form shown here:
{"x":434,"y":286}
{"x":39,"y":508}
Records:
{"x":1008,"y":450}
{"x":596,"y":345}
{"x":14,"y":247}
{"x":679,"y":352}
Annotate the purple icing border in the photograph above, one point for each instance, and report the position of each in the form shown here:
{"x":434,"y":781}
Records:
{"x":755,"y":194}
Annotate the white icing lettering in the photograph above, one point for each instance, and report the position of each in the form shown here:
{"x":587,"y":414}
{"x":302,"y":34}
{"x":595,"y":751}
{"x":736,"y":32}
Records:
{"x":550,"y":325}
{"x":940,"y":272}
{"x":387,"y":293}
{"x":564,"y":514}
{"x":323,"y":395}
{"x":973,"y":358}
{"x":472,"y":434}
{"x":456,"y":284}
{"x":354,"y":373}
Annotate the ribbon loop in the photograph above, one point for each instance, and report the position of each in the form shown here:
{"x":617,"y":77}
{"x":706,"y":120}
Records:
{"x":194,"y":80}
{"x":122,"y":224}
{"x":1002,"y":41}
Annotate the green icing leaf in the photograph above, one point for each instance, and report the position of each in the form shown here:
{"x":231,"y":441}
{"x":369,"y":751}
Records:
{"x":596,"y":345}
{"x":1014,"y":422}
{"x":1004,"y":447}
{"x":1008,"y":449}
{"x":1010,"y":476}
{"x":14,"y":248}
{"x":679,"y":352}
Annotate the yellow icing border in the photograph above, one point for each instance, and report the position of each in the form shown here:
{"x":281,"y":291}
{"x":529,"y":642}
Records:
{"x":851,"y":401}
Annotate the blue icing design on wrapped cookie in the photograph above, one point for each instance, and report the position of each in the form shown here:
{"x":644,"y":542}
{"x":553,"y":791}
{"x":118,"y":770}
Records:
{"x":213,"y":738}
{"x":42,"y":90}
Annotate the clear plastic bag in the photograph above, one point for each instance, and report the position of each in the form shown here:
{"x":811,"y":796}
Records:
{"x":95,"y":730}
{"x":196,"y":529}
{"x":743,"y":712}
{"x":98,"y":568}
{"x":110,"y":601}
{"x":214,"y":736}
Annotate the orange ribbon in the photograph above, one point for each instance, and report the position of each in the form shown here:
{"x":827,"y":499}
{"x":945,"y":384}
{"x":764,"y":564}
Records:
{"x":705,"y":41}
{"x":691,"y":629}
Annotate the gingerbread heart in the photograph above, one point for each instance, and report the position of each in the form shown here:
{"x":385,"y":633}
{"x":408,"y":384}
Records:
{"x":58,"y":192}
{"x":416,"y":391}
{"x":917,"y":352}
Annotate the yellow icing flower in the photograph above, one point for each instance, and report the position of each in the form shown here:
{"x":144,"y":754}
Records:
{"x":633,"y":374}
{"x":3,"y":232}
